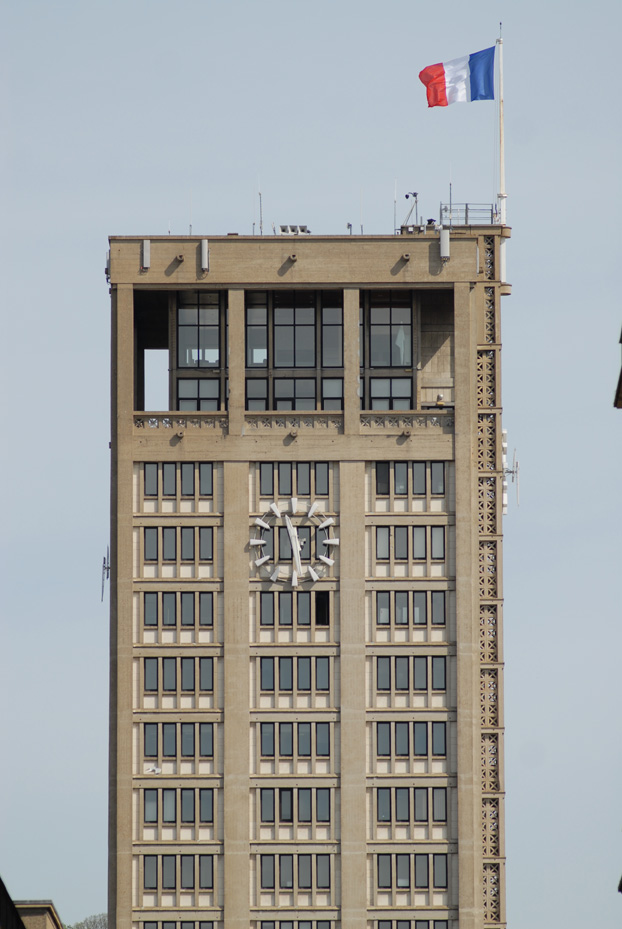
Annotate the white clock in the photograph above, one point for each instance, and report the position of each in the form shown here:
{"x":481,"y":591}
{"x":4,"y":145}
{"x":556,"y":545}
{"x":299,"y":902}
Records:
{"x":294,"y":518}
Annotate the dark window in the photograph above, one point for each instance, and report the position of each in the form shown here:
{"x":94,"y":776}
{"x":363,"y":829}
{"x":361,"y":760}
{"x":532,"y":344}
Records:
{"x":206,"y":673}
{"x":169,"y":740}
{"x":383,"y":484}
{"x":187,"y":478}
{"x":187,"y":740}
{"x":151,"y":673}
{"x":187,"y":805}
{"x":151,"y":806}
{"x":438,"y":607}
{"x":206,"y":609}
{"x":267,"y":805}
{"x":267,"y":872}
{"x":384,"y":871}
{"x":169,"y":609}
{"x":151,"y":544}
{"x":206,"y":872}
{"x":206,"y":740}
{"x":206,"y":543}
{"x":168,"y":872}
{"x":440,"y":870}
{"x":267,"y":739}
{"x":150,"y":872}
{"x":198,"y":329}
{"x":151,"y":480}
{"x":187,"y":609}
{"x":187,"y":872}
{"x":151,"y":740}
{"x":150,"y":616}
{"x":322,"y":608}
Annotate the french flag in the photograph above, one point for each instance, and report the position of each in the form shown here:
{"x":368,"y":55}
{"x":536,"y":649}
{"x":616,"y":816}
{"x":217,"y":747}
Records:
{"x":461,"y":80}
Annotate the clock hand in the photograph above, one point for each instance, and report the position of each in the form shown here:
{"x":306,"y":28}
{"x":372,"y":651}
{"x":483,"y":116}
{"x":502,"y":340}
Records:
{"x":293,"y":538}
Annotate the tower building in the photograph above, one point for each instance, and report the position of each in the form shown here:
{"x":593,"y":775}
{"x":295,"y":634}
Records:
{"x":306,"y":652}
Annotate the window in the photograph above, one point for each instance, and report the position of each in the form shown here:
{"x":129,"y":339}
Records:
{"x":295,"y":740}
{"x":390,"y":393}
{"x":393,"y":738}
{"x":398,"y":804}
{"x":286,"y":479}
{"x":401,"y":607}
{"x":299,"y":674}
{"x":200,"y":394}
{"x":390,"y":329}
{"x":198,"y":329}
{"x":392,"y":541}
{"x":179,"y":479}
{"x":164,"y":607}
{"x":286,"y":608}
{"x":403,"y":479}
{"x":172,"y":736}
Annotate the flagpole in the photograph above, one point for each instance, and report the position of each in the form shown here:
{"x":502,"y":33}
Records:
{"x":502,"y":196}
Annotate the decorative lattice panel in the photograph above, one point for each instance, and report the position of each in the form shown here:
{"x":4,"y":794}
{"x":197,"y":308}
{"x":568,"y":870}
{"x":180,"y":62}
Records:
{"x":487,"y":505}
{"x":488,"y":645}
{"x":489,"y":698}
{"x":490,"y":828}
{"x":490,"y":762}
{"x":487,"y":442}
{"x":486,"y":387}
{"x":492,"y":893}
{"x":489,"y":315}
{"x":489,"y":257}
{"x":487,"y":570}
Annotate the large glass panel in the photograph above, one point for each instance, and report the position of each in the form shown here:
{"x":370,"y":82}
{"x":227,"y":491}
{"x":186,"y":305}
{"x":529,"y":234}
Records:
{"x":286,"y":805}
{"x":151,"y":674}
{"x":304,"y":872}
{"x":169,"y":479}
{"x":322,"y":673}
{"x":402,"y":871}
{"x":169,"y":674}
{"x":438,"y":673}
{"x":206,"y":609}
{"x":383,"y":673}
{"x":420,"y":672}
{"x":266,"y":676}
{"x":169,"y":609}
{"x":151,"y":740}
{"x":267,"y":739}
{"x":401,"y":739}
{"x":151,"y":480}
{"x":286,"y":739}
{"x":421,"y":871}
{"x":438,"y":607}
{"x":168,"y":872}
{"x":383,"y":739}
{"x":322,"y":871}
{"x":439,"y":804}
{"x":401,"y":608}
{"x":420,"y":611}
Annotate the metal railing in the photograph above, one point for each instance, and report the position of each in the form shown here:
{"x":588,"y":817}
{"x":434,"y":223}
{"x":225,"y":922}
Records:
{"x":465,"y":214}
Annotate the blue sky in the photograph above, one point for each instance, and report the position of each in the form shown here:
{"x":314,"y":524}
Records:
{"x":139,"y":117}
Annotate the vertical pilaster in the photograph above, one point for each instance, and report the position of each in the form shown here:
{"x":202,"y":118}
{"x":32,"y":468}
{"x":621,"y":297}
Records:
{"x":351,"y":363}
{"x":352,"y":717}
{"x":467,"y":614}
{"x":120,"y":759}
{"x":237,"y":697}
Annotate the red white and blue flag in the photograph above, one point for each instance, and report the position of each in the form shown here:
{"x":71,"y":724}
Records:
{"x":461,"y":80}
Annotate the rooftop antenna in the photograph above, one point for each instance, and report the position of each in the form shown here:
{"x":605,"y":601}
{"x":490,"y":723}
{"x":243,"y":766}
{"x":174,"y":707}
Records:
{"x":105,"y":570}
{"x":415,"y":207}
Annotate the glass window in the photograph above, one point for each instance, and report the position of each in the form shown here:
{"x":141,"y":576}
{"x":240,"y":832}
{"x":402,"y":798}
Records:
{"x":206,"y":609}
{"x":420,"y":672}
{"x":187,"y":543}
{"x":256,"y":330}
{"x":419,"y":543}
{"x":267,"y":739}
{"x":285,"y":478}
{"x":187,"y":872}
{"x":266,"y":666}
{"x":390,"y":393}
{"x":256,"y":393}
{"x":151,"y":673}
{"x":401,"y":543}
{"x":206,"y":740}
{"x":322,"y":804}
{"x":206,"y":673}
{"x":420,"y":608}
{"x":322,"y":608}
{"x":419,"y":478}
{"x":304,"y":674}
{"x":266,"y":609}
{"x":198,"y":394}
{"x":206,"y":543}
{"x":286,"y":872}
{"x":303,"y":478}
{"x":206,"y":479}
{"x":187,"y":608}
{"x":304,"y":805}
{"x":169,"y":479}
{"x":286,"y":739}
{"x":169,"y":544}
{"x":390,"y":330}
{"x":321,"y":478}
{"x":322,"y":739}
{"x":402,"y":871}
{"x":198,"y":329}
{"x":439,"y":746}
{"x":421,"y":871}
{"x":438,"y":543}
{"x":322,"y":673}
{"x":304,"y":739}
{"x":286,"y":805}
{"x":440,"y":870}
{"x":294,"y":393}
{"x":206,"y":872}
{"x":384,"y":871}
{"x":266,"y":479}
{"x":168,"y":872}
{"x":382,"y":478}
{"x":421,"y":804}
{"x":151,"y":740}
{"x":383,"y":739}
{"x":267,"y":804}
{"x":383,"y":673}
{"x":401,"y":608}
{"x":401,"y":739}
{"x":438,"y":607}
{"x":150,"y":614}
{"x":322,"y":871}
{"x":437,"y":477}
{"x":151,"y":806}
{"x":151,"y":480}
{"x":401,"y":478}
{"x":150,"y":872}
{"x":383,"y":803}
{"x":286,"y":674}
{"x":332,"y":393}
{"x":285,"y":609}
{"x":402,"y":804}
{"x":187,"y":478}
{"x":187,"y":805}
{"x":439,"y":804}
{"x":401,"y":673}
{"x":438,"y":673}
{"x":151,"y":544}
{"x":332,"y":335}
{"x":169,"y":609}
{"x":187,"y":673}
{"x":169,"y":674}
{"x":420,"y":737}
{"x":187,"y":740}
{"x":169,"y":740}
{"x":383,"y":608}
{"x":382,"y":543}
{"x":304,"y":872}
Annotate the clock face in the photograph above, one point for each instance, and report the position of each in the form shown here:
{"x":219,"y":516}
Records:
{"x":283,"y":543}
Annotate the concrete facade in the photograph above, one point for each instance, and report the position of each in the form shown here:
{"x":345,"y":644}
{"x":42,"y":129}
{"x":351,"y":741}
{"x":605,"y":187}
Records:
{"x":312,"y":743}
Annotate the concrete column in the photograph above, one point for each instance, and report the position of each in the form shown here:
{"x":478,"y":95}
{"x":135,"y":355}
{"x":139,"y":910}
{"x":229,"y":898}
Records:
{"x":237,"y":714}
{"x":352,"y":717}
{"x":467,"y":618}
